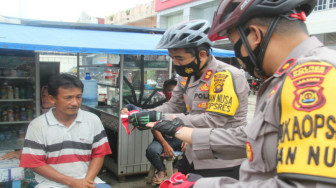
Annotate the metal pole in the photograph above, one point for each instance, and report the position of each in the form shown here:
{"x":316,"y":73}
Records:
{"x":121,"y":76}
{"x":37,"y":84}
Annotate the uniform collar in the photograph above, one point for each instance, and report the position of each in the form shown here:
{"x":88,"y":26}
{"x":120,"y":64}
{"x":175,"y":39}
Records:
{"x":53,"y":121}
{"x":301,"y":50}
{"x":210,"y":69}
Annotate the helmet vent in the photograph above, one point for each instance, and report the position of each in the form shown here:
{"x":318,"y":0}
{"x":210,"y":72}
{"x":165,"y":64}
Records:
{"x":181,"y":27}
{"x":198,"y":38}
{"x":197,"y":27}
{"x":206,"y":31}
{"x":183,"y":36}
{"x":172,"y":37}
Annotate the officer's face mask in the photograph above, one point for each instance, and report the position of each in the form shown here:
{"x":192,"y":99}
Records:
{"x":186,"y":70}
{"x":245,"y":62}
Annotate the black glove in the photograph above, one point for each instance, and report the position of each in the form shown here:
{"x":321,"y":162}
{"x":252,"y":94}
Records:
{"x":140,"y":119}
{"x":131,"y":107}
{"x":169,"y":127}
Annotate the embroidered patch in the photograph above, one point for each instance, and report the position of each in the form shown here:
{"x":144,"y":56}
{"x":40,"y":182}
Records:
{"x":205,"y":87}
{"x":273,"y":91}
{"x":222,"y":94}
{"x":188,"y":70}
{"x":219,"y":82}
{"x":203,"y":105}
{"x":307,"y":136}
{"x":311,"y":68}
{"x":249,"y":151}
{"x":188,"y":108}
{"x":203,"y":95}
{"x":184,"y":82}
{"x":307,"y":80}
{"x":288,"y":64}
{"x":208,"y":75}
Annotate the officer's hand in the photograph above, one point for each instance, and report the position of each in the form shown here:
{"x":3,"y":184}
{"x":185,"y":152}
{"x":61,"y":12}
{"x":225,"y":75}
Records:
{"x":169,"y":127}
{"x":140,"y":119}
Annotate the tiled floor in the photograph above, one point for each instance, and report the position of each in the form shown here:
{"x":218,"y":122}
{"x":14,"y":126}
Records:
{"x":138,"y":181}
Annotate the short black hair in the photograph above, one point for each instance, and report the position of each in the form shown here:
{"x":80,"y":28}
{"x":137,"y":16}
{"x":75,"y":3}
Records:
{"x":169,"y":82}
{"x":199,"y":48}
{"x":284,"y":27}
{"x":64,"y":81}
{"x":191,"y":50}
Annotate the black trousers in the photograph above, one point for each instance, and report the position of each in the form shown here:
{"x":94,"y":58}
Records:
{"x":185,"y":168}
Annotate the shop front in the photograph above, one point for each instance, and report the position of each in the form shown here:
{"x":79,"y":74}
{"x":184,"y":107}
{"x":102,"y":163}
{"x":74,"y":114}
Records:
{"x":123,"y":62}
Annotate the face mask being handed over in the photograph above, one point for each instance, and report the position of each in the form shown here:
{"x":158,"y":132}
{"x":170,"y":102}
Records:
{"x":186,"y":70}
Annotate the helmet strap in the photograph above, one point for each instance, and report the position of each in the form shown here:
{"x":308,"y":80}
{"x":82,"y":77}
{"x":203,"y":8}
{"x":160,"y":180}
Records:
{"x":257,"y":59}
{"x":265,"y":41}
{"x":199,"y":62}
{"x":251,"y":55}
{"x":198,"y":68}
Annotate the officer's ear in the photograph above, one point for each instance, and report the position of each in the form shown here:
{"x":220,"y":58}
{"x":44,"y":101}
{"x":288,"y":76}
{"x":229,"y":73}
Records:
{"x":256,"y":35}
{"x":203,"y":55}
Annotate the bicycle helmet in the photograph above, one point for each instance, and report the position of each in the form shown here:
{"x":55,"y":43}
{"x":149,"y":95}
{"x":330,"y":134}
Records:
{"x":185,"y":35}
{"x":232,"y":13}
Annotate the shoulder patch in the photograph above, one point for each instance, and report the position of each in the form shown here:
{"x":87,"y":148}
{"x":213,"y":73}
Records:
{"x":288,"y":64}
{"x":273,"y":91}
{"x":205,"y":87}
{"x":208,"y":75}
{"x":184,"y":82}
{"x":307,"y":79}
{"x":203,"y":105}
{"x":222,"y":94}
{"x":249,"y":151}
{"x":307,"y":132}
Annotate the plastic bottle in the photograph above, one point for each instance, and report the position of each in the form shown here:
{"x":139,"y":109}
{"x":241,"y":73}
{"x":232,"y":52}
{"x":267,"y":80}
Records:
{"x":23,"y":114}
{"x":3,"y":92}
{"x":10,"y":113}
{"x":29,"y":113}
{"x":90,"y":92}
{"x":22,"y":92}
{"x":17,"y":115}
{"x":29,"y":92}
{"x":4,"y":115}
{"x":10,"y":92}
{"x":16,"y":92}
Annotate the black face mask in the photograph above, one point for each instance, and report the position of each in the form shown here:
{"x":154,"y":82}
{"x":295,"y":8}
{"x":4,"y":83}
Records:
{"x":186,"y":70}
{"x":246,"y":61}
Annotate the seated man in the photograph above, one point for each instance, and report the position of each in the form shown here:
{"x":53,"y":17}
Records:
{"x":162,"y":143}
{"x":66,"y":146}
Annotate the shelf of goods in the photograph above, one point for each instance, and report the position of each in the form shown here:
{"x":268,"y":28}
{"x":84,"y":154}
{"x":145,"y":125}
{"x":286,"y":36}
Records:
{"x":17,"y":109}
{"x":120,"y":84}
